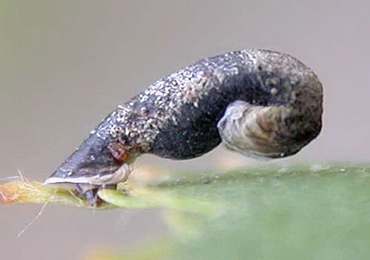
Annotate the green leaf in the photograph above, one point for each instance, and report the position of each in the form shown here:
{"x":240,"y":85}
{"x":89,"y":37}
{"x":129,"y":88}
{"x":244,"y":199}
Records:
{"x":295,"y":213}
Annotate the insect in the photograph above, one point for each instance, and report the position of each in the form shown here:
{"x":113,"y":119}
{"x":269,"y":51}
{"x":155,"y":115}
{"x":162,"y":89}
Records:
{"x":257,"y":102}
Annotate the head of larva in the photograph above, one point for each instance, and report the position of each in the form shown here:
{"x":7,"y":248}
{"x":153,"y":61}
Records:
{"x":93,"y":163}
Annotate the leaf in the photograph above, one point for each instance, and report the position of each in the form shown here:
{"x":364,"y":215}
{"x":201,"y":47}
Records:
{"x":297,"y":213}
{"x":315,"y":212}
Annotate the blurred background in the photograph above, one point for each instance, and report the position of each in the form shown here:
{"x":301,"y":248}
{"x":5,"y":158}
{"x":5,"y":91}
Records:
{"x":64,"y":65}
